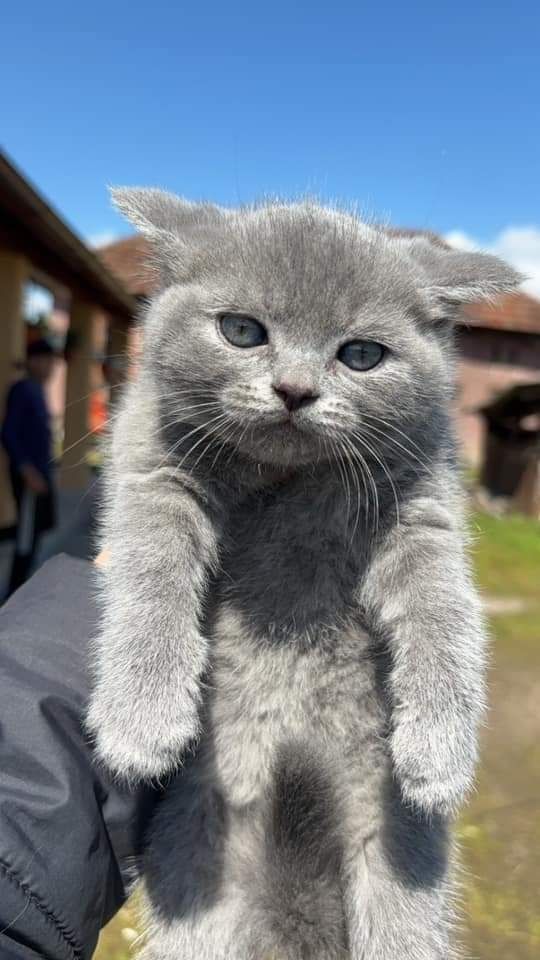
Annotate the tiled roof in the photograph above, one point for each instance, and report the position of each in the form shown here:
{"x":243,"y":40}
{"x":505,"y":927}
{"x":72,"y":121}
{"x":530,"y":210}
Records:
{"x":516,"y":312}
{"x":129,"y":259}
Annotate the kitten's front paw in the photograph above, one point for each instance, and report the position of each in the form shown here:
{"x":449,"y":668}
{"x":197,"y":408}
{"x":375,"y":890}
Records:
{"x":137,"y":746}
{"x":434,"y":765}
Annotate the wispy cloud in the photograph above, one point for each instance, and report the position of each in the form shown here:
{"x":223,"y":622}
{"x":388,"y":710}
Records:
{"x":520,"y":246}
{"x":101,"y":239}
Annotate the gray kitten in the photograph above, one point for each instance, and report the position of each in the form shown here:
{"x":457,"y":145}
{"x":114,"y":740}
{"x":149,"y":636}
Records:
{"x":288,"y":613}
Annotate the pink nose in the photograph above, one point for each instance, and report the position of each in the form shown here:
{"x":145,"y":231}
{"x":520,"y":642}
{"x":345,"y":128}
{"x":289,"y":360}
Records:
{"x":295,"y":396}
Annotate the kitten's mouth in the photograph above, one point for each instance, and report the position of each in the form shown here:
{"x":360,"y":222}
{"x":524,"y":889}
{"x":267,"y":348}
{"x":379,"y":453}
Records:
{"x":284,"y":428}
{"x":281,"y":440}
{"x":290,"y":424}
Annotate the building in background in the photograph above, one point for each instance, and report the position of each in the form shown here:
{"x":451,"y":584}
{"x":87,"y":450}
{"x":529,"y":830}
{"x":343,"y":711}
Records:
{"x":88,"y":300}
{"x":90,"y":311}
{"x":499,"y":347}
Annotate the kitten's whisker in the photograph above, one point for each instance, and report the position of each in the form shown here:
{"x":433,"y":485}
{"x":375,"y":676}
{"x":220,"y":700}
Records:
{"x":353,"y":455}
{"x":182,"y":438}
{"x":179,"y":402}
{"x":217,"y":430}
{"x":104,"y":386}
{"x":350,"y":462}
{"x":343,"y":474}
{"x":422,"y":459}
{"x":175,"y":412}
{"x":236,"y":448}
{"x":95,"y":430}
{"x":361,"y":439}
{"x":224,"y":443}
{"x":178,"y":442}
{"x":421,"y":467}
{"x":373,"y":485}
{"x":204,"y":426}
{"x":98,"y":429}
{"x":364,"y":466}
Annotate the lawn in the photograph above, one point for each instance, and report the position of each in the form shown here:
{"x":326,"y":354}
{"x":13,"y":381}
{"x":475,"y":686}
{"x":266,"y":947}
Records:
{"x":500,"y":831}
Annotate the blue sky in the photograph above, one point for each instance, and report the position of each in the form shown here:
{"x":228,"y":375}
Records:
{"x":426,"y":114}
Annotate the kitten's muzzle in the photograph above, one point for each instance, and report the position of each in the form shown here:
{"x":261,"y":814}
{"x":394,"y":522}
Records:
{"x":295,"y":396}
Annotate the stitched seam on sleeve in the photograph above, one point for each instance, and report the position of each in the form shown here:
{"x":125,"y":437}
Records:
{"x":47,"y":915}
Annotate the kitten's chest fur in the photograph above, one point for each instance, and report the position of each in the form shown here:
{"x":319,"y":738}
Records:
{"x":291,"y":660}
{"x":291,"y":560}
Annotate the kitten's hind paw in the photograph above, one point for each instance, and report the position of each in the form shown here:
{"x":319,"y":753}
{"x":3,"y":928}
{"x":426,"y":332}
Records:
{"x":434,"y":766}
{"x":435,"y":795}
{"x":138,"y":748}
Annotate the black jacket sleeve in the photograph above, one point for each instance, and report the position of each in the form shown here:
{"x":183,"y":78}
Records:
{"x":68,"y":837}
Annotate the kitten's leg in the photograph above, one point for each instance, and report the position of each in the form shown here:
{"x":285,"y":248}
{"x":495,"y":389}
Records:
{"x":193,"y":904}
{"x":213,"y":934}
{"x":399,"y":909}
{"x":424,"y":607}
{"x":150,"y":652}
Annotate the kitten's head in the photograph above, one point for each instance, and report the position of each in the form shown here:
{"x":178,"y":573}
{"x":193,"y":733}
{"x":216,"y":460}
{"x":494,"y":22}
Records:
{"x":295,"y":332}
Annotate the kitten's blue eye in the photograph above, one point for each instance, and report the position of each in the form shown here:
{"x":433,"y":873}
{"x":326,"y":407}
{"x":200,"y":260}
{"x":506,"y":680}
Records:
{"x":242,"y":331}
{"x":361,"y":354}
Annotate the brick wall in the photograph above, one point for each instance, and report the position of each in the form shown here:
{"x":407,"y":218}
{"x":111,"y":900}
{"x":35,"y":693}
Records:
{"x":491,"y":362}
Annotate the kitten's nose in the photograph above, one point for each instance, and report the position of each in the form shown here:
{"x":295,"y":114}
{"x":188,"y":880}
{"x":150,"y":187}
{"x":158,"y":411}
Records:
{"x":295,"y":396}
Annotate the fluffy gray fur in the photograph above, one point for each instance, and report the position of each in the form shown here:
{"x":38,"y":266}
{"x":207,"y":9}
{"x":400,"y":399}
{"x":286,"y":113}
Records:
{"x":288,"y":614}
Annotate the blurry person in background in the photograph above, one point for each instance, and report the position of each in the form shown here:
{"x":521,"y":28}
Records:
{"x":26,"y":438}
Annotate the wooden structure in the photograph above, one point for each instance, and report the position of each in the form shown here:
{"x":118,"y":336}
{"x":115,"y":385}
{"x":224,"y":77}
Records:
{"x":512,"y":451}
{"x":36,"y":244}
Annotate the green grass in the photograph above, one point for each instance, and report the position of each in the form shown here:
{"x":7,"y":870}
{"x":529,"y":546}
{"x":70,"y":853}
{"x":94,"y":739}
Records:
{"x":500,"y":830}
{"x":118,"y":938}
{"x":506,"y":554}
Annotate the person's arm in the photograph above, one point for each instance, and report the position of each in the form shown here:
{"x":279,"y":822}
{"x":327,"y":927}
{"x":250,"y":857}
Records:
{"x":67,"y":837}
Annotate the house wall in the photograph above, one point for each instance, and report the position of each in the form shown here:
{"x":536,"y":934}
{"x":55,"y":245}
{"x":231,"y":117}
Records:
{"x":491,"y":362}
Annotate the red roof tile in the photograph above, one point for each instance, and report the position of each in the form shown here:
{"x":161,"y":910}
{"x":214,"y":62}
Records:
{"x":516,"y":312}
{"x":129,"y":260}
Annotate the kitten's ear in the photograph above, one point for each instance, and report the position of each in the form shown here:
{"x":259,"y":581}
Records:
{"x":156,"y":212}
{"x":178,"y":230}
{"x":452,"y":277}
